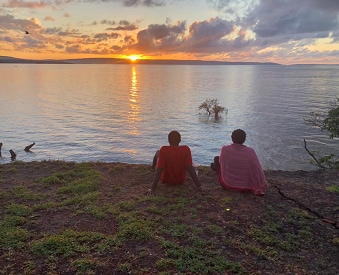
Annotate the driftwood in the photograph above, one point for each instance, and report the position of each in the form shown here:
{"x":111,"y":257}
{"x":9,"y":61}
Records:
{"x":27,"y":148}
{"x":13,"y":154}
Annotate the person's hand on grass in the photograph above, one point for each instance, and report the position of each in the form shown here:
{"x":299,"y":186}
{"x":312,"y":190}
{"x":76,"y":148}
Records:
{"x":150,"y":192}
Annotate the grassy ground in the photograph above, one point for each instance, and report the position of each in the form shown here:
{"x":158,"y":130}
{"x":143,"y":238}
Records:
{"x":93,"y":218}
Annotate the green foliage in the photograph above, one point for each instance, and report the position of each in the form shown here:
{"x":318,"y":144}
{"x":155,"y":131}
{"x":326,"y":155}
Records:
{"x":54,"y":245}
{"x":81,"y":171}
{"x":126,"y":205}
{"x":18,"y":209}
{"x":11,"y":233}
{"x":22,"y":192}
{"x":333,"y":188}
{"x":164,"y":264}
{"x":326,"y":120}
{"x":52,"y":179}
{"x":12,"y":236}
{"x":211,"y":106}
{"x":329,"y":161}
{"x":68,"y":243}
{"x":86,"y":266}
{"x":96,"y":211}
{"x":138,"y":230}
{"x":77,"y":186}
{"x":196,"y":259}
{"x":329,"y":122}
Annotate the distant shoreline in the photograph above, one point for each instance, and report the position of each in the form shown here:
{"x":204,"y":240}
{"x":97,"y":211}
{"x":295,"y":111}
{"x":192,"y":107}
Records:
{"x":8,"y":59}
{"x":14,"y":60}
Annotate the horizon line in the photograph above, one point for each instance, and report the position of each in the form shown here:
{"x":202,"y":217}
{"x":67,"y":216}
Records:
{"x":120,"y":60}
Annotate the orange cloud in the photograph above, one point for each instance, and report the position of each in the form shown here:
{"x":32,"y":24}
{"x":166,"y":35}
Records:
{"x":22,"y":4}
{"x":48,"y":18}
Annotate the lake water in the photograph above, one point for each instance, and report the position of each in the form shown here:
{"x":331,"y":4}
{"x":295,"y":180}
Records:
{"x":123,"y":113}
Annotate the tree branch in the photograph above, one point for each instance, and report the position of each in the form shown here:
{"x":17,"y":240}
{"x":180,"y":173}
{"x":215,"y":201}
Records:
{"x":312,"y":155}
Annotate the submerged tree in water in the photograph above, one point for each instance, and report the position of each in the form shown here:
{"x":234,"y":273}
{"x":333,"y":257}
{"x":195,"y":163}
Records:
{"x":327,"y":121}
{"x":211,"y":106}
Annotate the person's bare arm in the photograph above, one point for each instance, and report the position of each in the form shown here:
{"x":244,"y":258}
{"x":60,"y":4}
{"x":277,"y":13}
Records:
{"x":156,"y":179}
{"x":194,"y":177}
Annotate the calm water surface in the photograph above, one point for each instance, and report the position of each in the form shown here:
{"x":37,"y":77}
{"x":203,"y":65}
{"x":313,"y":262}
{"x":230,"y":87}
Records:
{"x":123,"y":113}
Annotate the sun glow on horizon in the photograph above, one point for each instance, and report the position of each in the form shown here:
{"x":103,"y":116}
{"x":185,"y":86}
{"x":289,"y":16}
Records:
{"x":134,"y":57}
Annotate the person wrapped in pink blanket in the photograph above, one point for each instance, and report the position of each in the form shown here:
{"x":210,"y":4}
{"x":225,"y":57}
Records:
{"x":238,"y":166}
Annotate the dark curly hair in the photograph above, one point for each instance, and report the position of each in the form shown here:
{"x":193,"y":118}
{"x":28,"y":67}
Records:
{"x":238,"y":136}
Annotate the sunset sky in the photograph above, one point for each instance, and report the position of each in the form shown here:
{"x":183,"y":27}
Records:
{"x":282,"y":31}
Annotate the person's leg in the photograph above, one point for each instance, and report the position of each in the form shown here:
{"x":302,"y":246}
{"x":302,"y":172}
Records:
{"x":215,"y":166}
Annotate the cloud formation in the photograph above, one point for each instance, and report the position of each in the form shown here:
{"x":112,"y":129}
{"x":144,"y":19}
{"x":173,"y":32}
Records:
{"x":148,"y":3}
{"x":293,"y":19}
{"x":247,"y":30}
{"x":24,"y":4}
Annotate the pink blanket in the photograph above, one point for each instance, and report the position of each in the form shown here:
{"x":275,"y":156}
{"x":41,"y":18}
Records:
{"x":240,"y":169}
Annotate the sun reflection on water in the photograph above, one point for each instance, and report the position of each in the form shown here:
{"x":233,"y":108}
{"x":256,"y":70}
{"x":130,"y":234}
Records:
{"x":133,"y":114}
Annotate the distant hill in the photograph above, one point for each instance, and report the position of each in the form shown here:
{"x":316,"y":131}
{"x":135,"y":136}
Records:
{"x":7,"y":59}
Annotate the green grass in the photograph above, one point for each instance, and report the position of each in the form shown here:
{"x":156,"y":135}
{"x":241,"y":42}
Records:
{"x":12,"y":237}
{"x":68,"y":242}
{"x":86,"y":266}
{"x":22,"y":192}
{"x":97,"y":229}
{"x":18,"y":210}
{"x":194,"y":259}
{"x":333,"y":188}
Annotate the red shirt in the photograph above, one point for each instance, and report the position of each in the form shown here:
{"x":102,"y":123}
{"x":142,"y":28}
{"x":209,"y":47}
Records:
{"x":174,"y":161}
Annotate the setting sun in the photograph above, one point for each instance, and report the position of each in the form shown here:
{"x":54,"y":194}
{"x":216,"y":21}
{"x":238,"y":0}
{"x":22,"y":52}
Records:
{"x":134,"y":57}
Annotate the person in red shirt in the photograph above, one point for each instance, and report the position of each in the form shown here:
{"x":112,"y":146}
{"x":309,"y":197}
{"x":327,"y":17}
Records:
{"x":172,"y":162}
